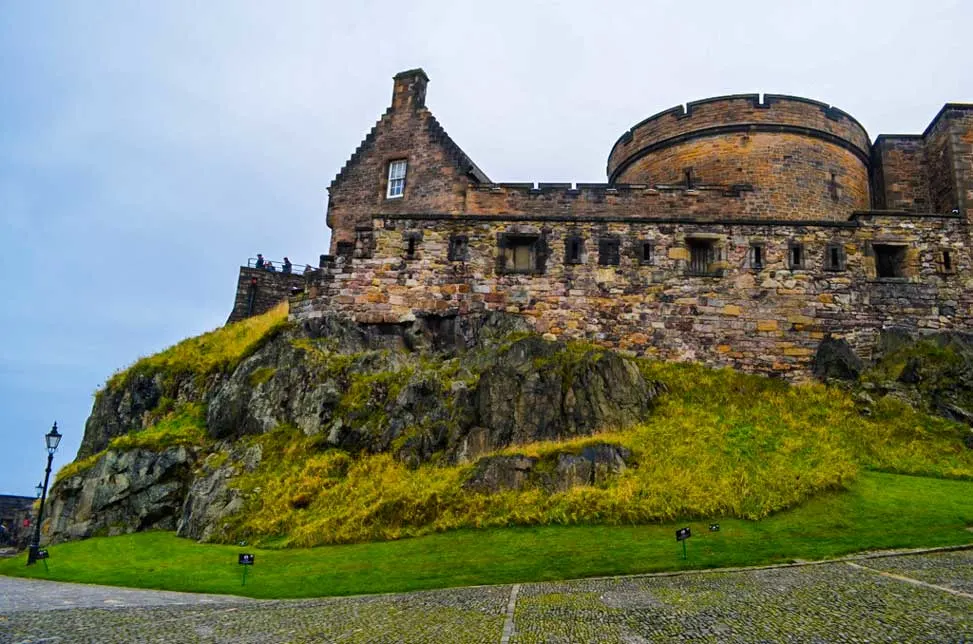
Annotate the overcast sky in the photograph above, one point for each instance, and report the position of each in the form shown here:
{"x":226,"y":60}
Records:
{"x":148,"y":149}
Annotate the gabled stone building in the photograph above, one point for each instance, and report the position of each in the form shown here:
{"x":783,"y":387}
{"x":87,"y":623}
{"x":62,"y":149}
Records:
{"x":736,"y":230}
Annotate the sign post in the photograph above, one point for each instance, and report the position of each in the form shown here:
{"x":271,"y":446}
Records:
{"x":43,"y":555}
{"x":681,"y":535}
{"x":245,"y":560}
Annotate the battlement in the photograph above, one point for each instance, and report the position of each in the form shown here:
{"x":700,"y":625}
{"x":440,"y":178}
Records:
{"x":738,"y":113}
{"x":599,"y":190}
{"x":605,"y":200}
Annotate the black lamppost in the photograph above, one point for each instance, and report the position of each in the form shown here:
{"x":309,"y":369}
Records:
{"x":52,"y":438}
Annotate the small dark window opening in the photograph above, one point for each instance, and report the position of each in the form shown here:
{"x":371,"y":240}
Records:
{"x":608,"y":251}
{"x":345,"y":249}
{"x":645,"y":252}
{"x":572,"y":250}
{"x":756,"y":256}
{"x":947,"y":261}
{"x":458,"y":248}
{"x":702,"y":254}
{"x":889,"y":260}
{"x":834,"y":258}
{"x":520,"y":254}
{"x":410,"y":250}
{"x":690,"y":177}
{"x":795,"y":255}
{"x":833,"y":187}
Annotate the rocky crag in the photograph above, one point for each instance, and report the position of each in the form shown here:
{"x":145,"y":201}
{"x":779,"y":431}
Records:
{"x":164,"y":446}
{"x":327,"y":431}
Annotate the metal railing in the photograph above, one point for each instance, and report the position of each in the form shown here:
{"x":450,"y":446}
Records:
{"x":277,"y":266}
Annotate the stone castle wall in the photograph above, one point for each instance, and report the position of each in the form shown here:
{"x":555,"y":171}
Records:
{"x":695,"y":196}
{"x":259,"y":290}
{"x":928,"y":172}
{"x":806,"y":159}
{"x":767,"y":319}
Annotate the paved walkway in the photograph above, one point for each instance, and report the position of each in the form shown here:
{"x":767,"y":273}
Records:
{"x":34,"y":594}
{"x":907,"y":598}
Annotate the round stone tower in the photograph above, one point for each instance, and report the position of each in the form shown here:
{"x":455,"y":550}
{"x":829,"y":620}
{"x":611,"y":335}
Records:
{"x":803,"y":159}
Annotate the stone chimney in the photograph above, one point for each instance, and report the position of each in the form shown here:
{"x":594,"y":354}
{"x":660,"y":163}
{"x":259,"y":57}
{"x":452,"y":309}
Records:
{"x":409,"y":90}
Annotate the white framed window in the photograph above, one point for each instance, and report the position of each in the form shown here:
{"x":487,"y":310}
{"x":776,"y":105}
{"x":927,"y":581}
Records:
{"x":396,"y":178}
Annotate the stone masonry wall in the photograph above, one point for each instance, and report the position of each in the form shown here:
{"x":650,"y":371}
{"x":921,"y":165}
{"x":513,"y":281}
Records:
{"x":602,"y":200}
{"x":438,"y":171}
{"x":767,"y":319}
{"x":793,"y":176}
{"x":744,"y":109}
{"x":901,"y":178}
{"x":259,"y":290}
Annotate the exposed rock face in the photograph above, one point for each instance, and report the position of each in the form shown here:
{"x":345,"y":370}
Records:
{"x":836,"y":359}
{"x":211,"y":498}
{"x":532,"y":390}
{"x":119,"y":411}
{"x":594,"y":465}
{"x":446,"y":388}
{"x":125,"y":491}
{"x":525,"y":397}
{"x":932,"y":372}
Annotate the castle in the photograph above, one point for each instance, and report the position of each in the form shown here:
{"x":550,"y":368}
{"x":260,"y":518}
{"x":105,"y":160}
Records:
{"x":734,"y":231}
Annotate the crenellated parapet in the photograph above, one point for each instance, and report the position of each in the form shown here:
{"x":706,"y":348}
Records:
{"x":804,"y":159}
{"x":738,"y":113}
{"x":606,"y":200}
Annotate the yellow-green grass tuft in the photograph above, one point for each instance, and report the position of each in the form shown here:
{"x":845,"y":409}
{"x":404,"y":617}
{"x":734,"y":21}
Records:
{"x":218,"y":350}
{"x":187,"y":426}
{"x":77,"y":467}
{"x":718,"y":444}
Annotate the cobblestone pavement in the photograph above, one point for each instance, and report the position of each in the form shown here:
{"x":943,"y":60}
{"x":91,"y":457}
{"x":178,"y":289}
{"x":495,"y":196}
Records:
{"x":833,"y":602}
{"x":28,"y":594}
{"x":951,"y":569}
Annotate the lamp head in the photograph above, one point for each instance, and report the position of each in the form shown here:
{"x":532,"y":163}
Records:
{"x":53,"y":438}
{"x":39,"y":489}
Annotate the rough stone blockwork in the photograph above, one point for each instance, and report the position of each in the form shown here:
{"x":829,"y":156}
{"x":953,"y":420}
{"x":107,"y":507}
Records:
{"x":738,"y":230}
{"x":259,"y":290}
{"x":768,"y":320}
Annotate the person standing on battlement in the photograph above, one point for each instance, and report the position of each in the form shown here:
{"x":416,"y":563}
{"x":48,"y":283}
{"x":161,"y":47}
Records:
{"x":260,"y":261}
{"x":288,"y":267}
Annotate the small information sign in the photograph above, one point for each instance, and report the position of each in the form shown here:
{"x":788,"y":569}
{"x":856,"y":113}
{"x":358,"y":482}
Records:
{"x":42,"y":554}
{"x":714,"y":527}
{"x":681,"y":535}
{"x":245,"y":560}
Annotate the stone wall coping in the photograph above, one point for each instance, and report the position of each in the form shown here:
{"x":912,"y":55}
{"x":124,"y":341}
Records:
{"x":852,"y":222}
{"x":884,"y":137}
{"x":618,"y":219}
{"x":577,"y":189}
{"x":948,"y":107}
{"x":903,"y":214}
{"x":296,"y":275}
{"x":680,"y":112}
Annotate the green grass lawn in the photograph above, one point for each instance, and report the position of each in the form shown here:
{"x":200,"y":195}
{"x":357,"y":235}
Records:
{"x":879,"y":511}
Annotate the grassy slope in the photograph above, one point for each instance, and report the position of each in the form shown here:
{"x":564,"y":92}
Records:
{"x":879,"y":511}
{"x":218,"y":350}
{"x":720,"y":443}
